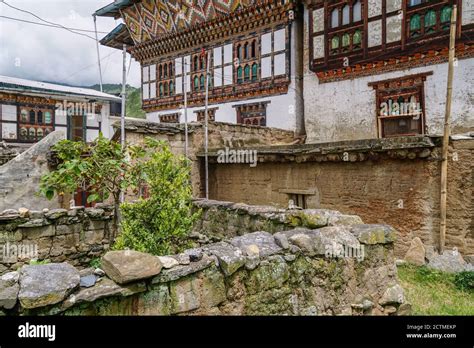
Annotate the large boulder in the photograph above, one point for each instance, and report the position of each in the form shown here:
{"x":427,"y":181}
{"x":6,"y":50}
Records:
{"x":450,"y":261}
{"x":9,"y":290}
{"x":124,"y":266}
{"x":416,"y":252}
{"x":43,"y":285}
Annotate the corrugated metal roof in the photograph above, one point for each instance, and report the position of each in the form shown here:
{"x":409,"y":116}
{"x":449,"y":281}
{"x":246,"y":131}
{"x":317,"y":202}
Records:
{"x":13,"y":84}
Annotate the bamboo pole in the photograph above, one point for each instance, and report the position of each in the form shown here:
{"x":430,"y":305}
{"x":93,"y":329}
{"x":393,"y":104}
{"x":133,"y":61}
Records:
{"x":447,"y":130}
{"x":206,"y":126}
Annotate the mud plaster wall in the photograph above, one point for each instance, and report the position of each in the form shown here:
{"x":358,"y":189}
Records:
{"x":400,"y":192}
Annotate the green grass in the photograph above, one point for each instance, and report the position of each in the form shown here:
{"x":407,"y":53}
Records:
{"x":434,"y":293}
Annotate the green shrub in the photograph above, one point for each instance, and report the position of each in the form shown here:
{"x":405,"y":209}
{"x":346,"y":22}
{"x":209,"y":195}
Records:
{"x":161,"y":223}
{"x":95,"y":262}
{"x":464,"y":280}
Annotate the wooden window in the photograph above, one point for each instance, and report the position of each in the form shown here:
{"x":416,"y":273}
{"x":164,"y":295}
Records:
{"x":428,"y":19}
{"x":335,"y":18}
{"x":252,"y":114}
{"x":200,"y":70}
{"x":346,"y":15}
{"x":298,"y":199}
{"x":170,"y":118}
{"x":247,"y":73}
{"x":201,"y":114}
{"x":254,"y":72}
{"x":400,"y":105}
{"x":34,"y":122}
{"x":246,"y":54}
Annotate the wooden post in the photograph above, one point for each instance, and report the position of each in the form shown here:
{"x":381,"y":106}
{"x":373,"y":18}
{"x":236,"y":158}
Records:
{"x":447,"y":131}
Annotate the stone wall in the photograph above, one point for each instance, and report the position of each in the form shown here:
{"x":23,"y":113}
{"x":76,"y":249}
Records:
{"x":295,"y":272}
{"x":10,"y":151}
{"x":224,"y":220}
{"x":383,"y":181}
{"x":20,"y":177}
{"x":77,"y":235}
{"x":220,"y":135}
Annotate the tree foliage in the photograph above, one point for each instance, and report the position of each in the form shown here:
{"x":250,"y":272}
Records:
{"x":160,"y":223}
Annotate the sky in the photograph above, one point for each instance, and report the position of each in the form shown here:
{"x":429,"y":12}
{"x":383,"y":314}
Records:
{"x":43,"y":53}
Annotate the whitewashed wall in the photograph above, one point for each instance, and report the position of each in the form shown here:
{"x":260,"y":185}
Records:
{"x":346,"y":110}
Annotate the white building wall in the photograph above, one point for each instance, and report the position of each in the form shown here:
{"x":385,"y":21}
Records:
{"x":346,"y":110}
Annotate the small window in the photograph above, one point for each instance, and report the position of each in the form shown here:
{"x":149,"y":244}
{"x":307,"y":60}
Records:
{"x":171,"y":88}
{"x":24,"y":115}
{"x":335,"y":18}
{"x":203,"y":86}
{"x":357,"y":38}
{"x":47,"y":117}
{"x":254,"y":71}
{"x":253,"y":50}
{"x":40,"y":117}
{"x":346,"y":40}
{"x":335,"y":43}
{"x":247,"y":73}
{"x":161,"y":89}
{"x":39,"y":133}
{"x":357,"y":11}
{"x":430,"y":21}
{"x":415,"y":25}
{"x":32,"y":117}
{"x":445,"y":17}
{"x":345,"y":15}
{"x":414,"y":2}
{"x":31,"y":134}
{"x":196,"y":83}
{"x":239,"y":74}
{"x":298,"y":200}
{"x":160,"y":71}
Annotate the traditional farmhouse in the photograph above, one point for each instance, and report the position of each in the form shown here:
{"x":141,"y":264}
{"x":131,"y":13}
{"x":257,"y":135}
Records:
{"x":255,"y":58}
{"x":30,"y":110}
{"x":339,"y":70}
{"x":378,"y":68}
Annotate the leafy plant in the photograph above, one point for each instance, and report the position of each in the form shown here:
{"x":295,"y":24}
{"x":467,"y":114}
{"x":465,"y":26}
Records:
{"x":160,"y":224}
{"x":464,"y":280}
{"x":95,"y":262}
{"x":102,"y":168}
{"x":34,"y":262}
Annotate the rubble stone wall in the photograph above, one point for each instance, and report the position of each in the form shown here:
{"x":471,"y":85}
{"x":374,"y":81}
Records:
{"x":334,"y":270}
{"x":77,"y":235}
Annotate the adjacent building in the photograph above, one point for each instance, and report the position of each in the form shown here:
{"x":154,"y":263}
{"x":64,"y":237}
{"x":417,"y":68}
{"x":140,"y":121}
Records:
{"x":378,"y":68}
{"x":334,"y":70}
{"x":30,"y":110}
{"x":254,"y":50}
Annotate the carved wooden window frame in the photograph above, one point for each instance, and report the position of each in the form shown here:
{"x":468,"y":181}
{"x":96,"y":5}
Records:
{"x":252,"y":113}
{"x":246,"y":55}
{"x":165,"y":78}
{"x":201,"y":114}
{"x":411,"y":85}
{"x":170,"y":118}
{"x":36,"y":126}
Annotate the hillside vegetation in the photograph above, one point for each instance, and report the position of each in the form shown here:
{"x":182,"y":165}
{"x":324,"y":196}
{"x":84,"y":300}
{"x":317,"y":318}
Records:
{"x":133,"y":102}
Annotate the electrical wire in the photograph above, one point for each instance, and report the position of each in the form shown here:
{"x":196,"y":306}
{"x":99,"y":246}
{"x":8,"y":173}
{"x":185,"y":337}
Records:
{"x":50,"y":25}
{"x":43,"y":20}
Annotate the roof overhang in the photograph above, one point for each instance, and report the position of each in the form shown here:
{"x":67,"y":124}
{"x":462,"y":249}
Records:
{"x":117,"y":37}
{"x":113,"y":9}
